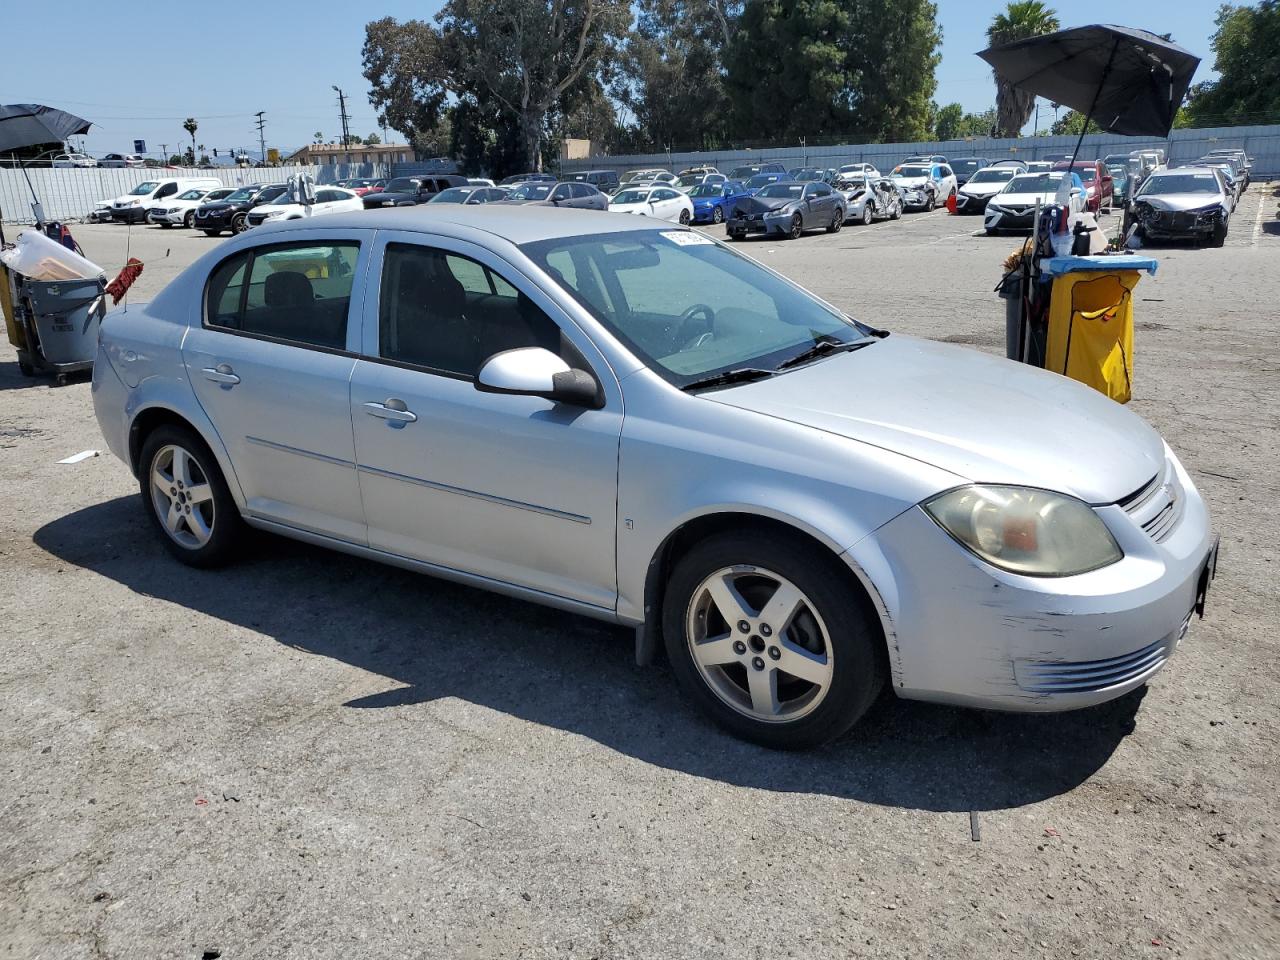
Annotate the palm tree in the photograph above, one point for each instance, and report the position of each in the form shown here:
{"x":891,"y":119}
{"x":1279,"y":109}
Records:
{"x":191,"y":127}
{"x":1022,"y":19}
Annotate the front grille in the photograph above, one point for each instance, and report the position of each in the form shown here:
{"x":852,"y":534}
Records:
{"x":1088,"y":676}
{"x":1157,"y":505}
{"x":256,"y":219}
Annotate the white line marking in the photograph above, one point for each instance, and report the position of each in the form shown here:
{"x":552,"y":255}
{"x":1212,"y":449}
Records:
{"x":1257,"y":223}
{"x":77,"y":457}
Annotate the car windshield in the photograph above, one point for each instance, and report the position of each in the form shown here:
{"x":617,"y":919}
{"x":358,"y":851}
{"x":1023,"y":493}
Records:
{"x":143,"y":188}
{"x":690,"y":180}
{"x":783,"y":190}
{"x":852,"y":168}
{"x":453,"y":195}
{"x":630,"y":196}
{"x":808,"y":173}
{"x":761,"y":180}
{"x":913,"y":171}
{"x":1117,"y":172}
{"x":244,"y":193}
{"x":531,"y":190}
{"x":743,"y":173}
{"x":642,"y":284}
{"x":1179,"y":183}
{"x":993,"y":176}
{"x":708,"y":190}
{"x":1033,"y":183}
{"x":402,"y":185}
{"x":1087,"y":174}
{"x":966,"y":166}
{"x":855,"y":179}
{"x":285,"y":198}
{"x":191,"y":195}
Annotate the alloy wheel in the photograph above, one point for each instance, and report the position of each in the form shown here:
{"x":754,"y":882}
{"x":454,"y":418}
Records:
{"x":866,"y":214}
{"x":189,"y":220}
{"x":717,"y":215}
{"x":797,"y":227}
{"x":239,"y":223}
{"x":759,"y":644}
{"x":182,"y":496}
{"x":684,"y":218}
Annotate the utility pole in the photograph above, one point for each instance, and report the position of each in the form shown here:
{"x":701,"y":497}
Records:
{"x":164,"y":154}
{"x":262,"y":137}
{"x":343,"y":116}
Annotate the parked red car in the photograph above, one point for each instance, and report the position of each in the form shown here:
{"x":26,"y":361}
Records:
{"x":1099,"y":188}
{"x":361,"y":185}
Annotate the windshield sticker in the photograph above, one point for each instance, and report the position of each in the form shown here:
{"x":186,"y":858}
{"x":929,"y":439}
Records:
{"x":686,"y":238}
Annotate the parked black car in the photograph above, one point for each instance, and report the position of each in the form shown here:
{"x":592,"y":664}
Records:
{"x":410,"y":191}
{"x":232,"y":213}
{"x":606,"y":181}
{"x":966,"y":167}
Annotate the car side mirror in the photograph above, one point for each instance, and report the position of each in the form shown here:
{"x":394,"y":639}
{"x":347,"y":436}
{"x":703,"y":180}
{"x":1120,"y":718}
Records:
{"x":537,"y":372}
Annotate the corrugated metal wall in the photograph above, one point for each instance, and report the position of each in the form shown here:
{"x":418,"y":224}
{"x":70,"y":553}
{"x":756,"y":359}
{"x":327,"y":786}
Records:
{"x":1262,"y":143}
{"x":70,"y":194}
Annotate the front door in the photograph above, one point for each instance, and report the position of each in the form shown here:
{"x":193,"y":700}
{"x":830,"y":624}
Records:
{"x":271,"y":364}
{"x":516,"y":489}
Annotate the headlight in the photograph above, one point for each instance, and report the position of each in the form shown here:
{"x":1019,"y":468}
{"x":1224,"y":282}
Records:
{"x":1025,"y":530}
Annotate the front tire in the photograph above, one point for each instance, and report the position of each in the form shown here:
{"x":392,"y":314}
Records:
{"x":797,"y":227}
{"x":189,"y":220}
{"x":806,"y":667}
{"x":187,"y":499}
{"x":930,"y":204}
{"x":239,"y":223}
{"x":684,"y":218}
{"x":717,"y":215}
{"x":1219,"y":235}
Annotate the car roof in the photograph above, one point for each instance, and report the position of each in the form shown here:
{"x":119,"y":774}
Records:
{"x":517,"y":223}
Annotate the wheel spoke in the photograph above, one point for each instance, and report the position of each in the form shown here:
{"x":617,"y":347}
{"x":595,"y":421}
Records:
{"x":803,"y":665}
{"x":728,"y":601}
{"x":181,"y":466}
{"x":199,"y":493}
{"x":173,"y":519}
{"x":713,"y":653}
{"x":782,"y":606}
{"x":160,"y":481}
{"x":763,"y":687}
{"x":198,"y":527}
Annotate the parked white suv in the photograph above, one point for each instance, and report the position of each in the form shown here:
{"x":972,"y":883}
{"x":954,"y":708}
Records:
{"x":182,"y":208}
{"x":328,"y":200}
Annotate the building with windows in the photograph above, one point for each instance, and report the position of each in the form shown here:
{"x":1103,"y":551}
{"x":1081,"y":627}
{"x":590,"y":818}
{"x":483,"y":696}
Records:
{"x":335,"y":153}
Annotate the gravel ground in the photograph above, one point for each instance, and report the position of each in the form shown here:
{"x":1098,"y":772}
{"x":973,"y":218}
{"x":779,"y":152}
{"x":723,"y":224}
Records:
{"x":308,"y":755}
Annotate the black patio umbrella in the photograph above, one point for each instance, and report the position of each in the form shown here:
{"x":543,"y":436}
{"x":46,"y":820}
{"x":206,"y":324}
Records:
{"x":1127,"y":81}
{"x":27,"y":124}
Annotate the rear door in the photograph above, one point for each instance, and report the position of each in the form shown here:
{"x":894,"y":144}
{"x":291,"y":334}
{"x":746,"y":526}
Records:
{"x":270,"y":362}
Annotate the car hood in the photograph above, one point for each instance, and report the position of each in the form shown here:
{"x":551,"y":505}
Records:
{"x":980,"y":417}
{"x":1024,"y":199}
{"x":982,"y":189}
{"x":753,"y":204}
{"x":397,"y":197}
{"x":1180,"y":201}
{"x":909,"y":183}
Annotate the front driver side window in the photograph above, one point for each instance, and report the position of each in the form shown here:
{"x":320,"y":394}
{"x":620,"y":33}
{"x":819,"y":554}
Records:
{"x":449,"y":313}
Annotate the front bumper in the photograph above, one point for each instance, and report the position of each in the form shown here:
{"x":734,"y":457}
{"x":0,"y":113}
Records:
{"x":753,"y":223}
{"x":128,"y":214}
{"x":961,"y":631}
{"x":915,"y":199}
{"x":704,"y":214}
{"x":1009,"y":219}
{"x":1179,"y":225}
{"x":967,"y":203}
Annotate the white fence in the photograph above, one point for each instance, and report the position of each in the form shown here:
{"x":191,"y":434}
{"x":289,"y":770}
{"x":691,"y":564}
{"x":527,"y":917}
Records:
{"x":70,"y":194}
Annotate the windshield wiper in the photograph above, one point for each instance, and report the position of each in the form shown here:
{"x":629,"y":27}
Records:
{"x":739,"y":375}
{"x":823,"y":348}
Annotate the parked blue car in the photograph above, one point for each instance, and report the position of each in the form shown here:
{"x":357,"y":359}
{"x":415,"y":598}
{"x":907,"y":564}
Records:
{"x":713,"y":201}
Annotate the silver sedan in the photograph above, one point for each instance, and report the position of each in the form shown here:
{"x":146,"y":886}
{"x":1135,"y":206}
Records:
{"x":630,"y":420}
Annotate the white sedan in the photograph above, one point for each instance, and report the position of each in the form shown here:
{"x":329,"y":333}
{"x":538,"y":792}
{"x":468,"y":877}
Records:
{"x":653,"y":200}
{"x":328,"y":200}
{"x":1014,"y":207}
{"x":64,"y":160}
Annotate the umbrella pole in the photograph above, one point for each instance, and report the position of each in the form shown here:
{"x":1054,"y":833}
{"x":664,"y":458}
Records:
{"x":1115,"y":45}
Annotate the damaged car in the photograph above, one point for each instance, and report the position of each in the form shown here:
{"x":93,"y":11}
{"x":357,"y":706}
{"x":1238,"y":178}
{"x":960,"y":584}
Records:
{"x":789,"y":208}
{"x":924,"y":185}
{"x":1189,"y":203}
{"x":868,"y":198}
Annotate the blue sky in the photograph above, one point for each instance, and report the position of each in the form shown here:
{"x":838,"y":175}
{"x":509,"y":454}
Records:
{"x":204,"y":61}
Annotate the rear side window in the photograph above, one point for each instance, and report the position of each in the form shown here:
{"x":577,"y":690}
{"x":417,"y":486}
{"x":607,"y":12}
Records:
{"x":300,"y":293}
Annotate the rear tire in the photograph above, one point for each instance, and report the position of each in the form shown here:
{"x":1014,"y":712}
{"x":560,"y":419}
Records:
{"x":827,"y":632}
{"x":837,"y":221}
{"x":895,"y":212}
{"x":187,"y":499}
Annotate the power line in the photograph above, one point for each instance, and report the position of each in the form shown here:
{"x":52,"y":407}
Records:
{"x":344,"y":116}
{"x":262,"y":139}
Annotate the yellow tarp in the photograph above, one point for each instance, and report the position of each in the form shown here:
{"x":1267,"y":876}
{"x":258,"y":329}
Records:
{"x":1091,"y":330}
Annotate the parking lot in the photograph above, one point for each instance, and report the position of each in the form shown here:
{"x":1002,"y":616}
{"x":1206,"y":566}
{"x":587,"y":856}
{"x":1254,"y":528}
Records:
{"x":309,"y":755}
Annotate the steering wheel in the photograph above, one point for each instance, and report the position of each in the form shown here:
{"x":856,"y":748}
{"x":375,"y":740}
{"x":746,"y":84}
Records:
{"x":686,"y":338}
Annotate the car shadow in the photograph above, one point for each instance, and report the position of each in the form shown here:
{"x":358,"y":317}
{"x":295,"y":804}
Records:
{"x":12,"y":378}
{"x":431,"y":638}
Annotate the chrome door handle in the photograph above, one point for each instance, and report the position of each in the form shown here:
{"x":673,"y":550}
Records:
{"x":222,"y":373}
{"x":392,"y":409}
